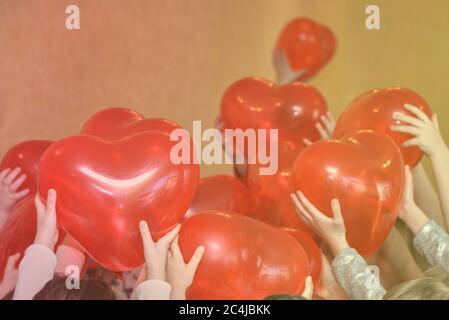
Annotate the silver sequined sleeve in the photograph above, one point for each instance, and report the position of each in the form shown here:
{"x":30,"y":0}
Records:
{"x":433,"y":243}
{"x":356,"y":277}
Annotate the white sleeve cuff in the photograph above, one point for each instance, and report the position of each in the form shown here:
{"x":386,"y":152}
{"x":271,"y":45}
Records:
{"x":35,"y":270}
{"x":153,"y":290}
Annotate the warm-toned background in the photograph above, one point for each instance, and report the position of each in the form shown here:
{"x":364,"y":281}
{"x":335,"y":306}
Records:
{"x":174,"y":58}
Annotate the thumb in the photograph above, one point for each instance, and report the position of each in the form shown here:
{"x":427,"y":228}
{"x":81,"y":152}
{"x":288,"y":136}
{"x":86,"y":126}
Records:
{"x":51,"y":200}
{"x":336,"y":210}
{"x":308,"y":288}
{"x":12,"y":261}
{"x":196,"y":259}
{"x":435,"y":121}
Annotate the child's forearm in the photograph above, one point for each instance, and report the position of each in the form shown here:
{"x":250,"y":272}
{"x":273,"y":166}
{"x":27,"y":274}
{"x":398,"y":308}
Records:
{"x":440,"y":166}
{"x":426,"y":196}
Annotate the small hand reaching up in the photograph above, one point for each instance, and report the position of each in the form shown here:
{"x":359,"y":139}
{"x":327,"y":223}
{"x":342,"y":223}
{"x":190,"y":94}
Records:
{"x":426,"y":131}
{"x":428,"y":138}
{"x":180,"y":274}
{"x":331,"y":229}
{"x":10,"y":274}
{"x":156,"y":252}
{"x":47,"y":229}
{"x":410,"y":213}
{"x":326,"y":128}
{"x":10,"y":182}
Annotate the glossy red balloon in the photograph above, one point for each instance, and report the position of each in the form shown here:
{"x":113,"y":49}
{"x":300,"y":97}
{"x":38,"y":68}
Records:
{"x":313,"y":252}
{"x":272,"y":192}
{"x":365,"y":171}
{"x":224,"y":193}
{"x":255,"y":103}
{"x":105,"y":187}
{"x":244,"y":258}
{"x":117,"y":123}
{"x":307,"y":44}
{"x":19,"y":231}
{"x":374,"y":110}
{"x":26,"y":155}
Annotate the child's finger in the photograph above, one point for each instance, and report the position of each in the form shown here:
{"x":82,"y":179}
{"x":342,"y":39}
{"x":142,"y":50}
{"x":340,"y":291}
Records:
{"x":322,"y":131}
{"x":417,"y":112}
{"x":3,"y":174}
{"x":300,"y":210}
{"x":171,"y":235}
{"x":308,"y":288}
{"x":336,"y":210}
{"x":40,"y":207}
{"x":18,"y":182}
{"x":12,"y":176}
{"x":307,"y":142}
{"x":406,"y":129}
{"x":327,"y":124}
{"x":145,"y":235}
{"x":196,"y":258}
{"x":51,"y":200}
{"x":309,"y":207}
{"x":435,"y":121}
{"x":21,"y":194}
{"x":411,"y":143}
{"x":174,"y":247}
{"x":331,"y":119}
{"x":409,"y":120}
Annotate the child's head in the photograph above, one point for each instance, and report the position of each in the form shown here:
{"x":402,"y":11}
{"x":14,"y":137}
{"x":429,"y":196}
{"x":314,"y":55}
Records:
{"x":89,"y":289}
{"x":433,"y":286}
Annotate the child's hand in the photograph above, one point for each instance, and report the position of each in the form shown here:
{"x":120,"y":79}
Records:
{"x":10,"y":275}
{"x":427,"y":135}
{"x":308,"y":289}
{"x":10,"y":182}
{"x":326,"y":128}
{"x":285,"y":74}
{"x":47,"y":230}
{"x":410,"y":213}
{"x":331,"y":230}
{"x":408,"y":201}
{"x":156,"y":253}
{"x":179,"y":274}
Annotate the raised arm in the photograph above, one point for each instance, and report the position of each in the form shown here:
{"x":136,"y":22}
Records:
{"x":428,"y":138}
{"x":10,"y":182}
{"x":38,"y":264}
{"x":351,"y":270}
{"x":430,"y":240}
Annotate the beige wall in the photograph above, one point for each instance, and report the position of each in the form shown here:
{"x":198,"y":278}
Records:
{"x":174,"y":58}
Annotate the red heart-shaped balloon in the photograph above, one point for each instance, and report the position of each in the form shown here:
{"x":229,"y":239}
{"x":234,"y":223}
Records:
{"x":293,"y":109}
{"x":26,"y":155}
{"x":374,"y":110}
{"x":244,"y":258}
{"x":365,"y":171}
{"x":19,"y":231}
{"x":117,"y":123}
{"x":312,"y":250}
{"x":225,"y":193}
{"x":106,"y":187}
{"x":307,"y":44}
{"x":272,"y":192}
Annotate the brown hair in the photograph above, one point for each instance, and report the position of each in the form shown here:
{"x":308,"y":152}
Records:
{"x":90,"y":289}
{"x":433,"y":286}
